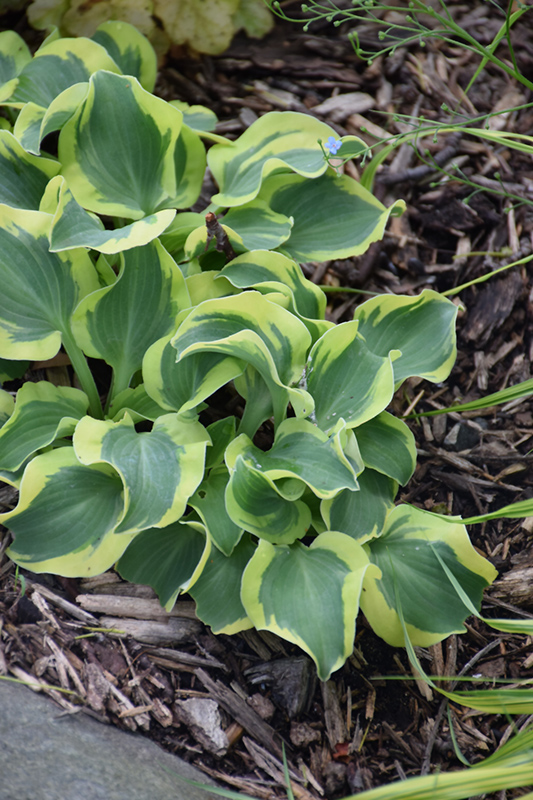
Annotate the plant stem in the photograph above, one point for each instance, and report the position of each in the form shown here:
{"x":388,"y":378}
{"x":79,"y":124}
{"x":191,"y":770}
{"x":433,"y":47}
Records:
{"x":121,"y":381}
{"x":84,"y":374}
{"x":346,"y":290}
{"x":486,"y":277}
{"x":416,"y":30}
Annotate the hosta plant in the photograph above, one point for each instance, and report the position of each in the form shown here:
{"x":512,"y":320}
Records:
{"x":221,"y":437}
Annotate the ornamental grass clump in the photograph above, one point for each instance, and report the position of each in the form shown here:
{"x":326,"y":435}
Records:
{"x":139,"y":464}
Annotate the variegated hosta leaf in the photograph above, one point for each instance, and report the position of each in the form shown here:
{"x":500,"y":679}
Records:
{"x":119,"y":322}
{"x":117,"y":151}
{"x":72,"y":226}
{"x":279,"y":139}
{"x":259,"y":227}
{"x":160,"y":469}
{"x":351,"y":146}
{"x":250,"y":328}
{"x":200,"y":244}
{"x":182,"y":386}
{"x":56,"y":66}
{"x":198,"y":118}
{"x":308,"y":595}
{"x":346,"y":379}
{"x":267,"y":271}
{"x":12,"y":478}
{"x":414,"y":579}
{"x":254,"y":502}
{"x":259,"y":401}
{"x":350,"y":448}
{"x":175,"y":236}
{"x":208,"y":285}
{"x":38,"y":297}
{"x":303,"y":451}
{"x":71,"y":536}
{"x":189,"y":165}
{"x":7,"y":403}
{"x":27,"y":128}
{"x":209,"y":503}
{"x":388,"y":446}
{"x":106,"y":273}
{"x":35,"y":122}
{"x":217,"y":591}
{"x":361,"y":514}
{"x":261,"y":266}
{"x":422,"y":328}
{"x":221,"y":432}
{"x":334,"y":216}
{"x":167,"y":559}
{"x":137,"y":403}
{"x":14,"y":55}
{"x":130,"y":50}
{"x":23,"y":178}
{"x":9,"y":370}
{"x":43,"y":413}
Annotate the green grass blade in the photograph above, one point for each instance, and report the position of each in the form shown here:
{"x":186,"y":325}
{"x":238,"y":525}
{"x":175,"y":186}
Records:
{"x":522,"y":389}
{"x":457,"y":750}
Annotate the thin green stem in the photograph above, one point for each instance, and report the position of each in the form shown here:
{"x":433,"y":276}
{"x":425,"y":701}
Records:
{"x":416,"y":30}
{"x":510,"y":19}
{"x":486,"y":277}
{"x":345,"y":290}
{"x":84,"y":374}
{"x":389,"y":144}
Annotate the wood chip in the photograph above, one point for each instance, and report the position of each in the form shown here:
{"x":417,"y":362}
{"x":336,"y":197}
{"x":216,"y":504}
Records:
{"x":493,"y":306}
{"x":175,"y":630}
{"x":135,"y":607}
{"x":38,"y":685}
{"x":39,"y":601}
{"x":60,"y":602}
{"x":515,"y":586}
{"x":341,"y":106}
{"x":292,"y":682}
{"x":202,"y":717}
{"x":124,"y":705}
{"x":242,"y":712}
{"x":61,"y":659}
{"x":175,"y":658}
{"x":335,"y":725}
{"x":162,"y":713}
{"x":98,"y":687}
{"x":274,"y":767}
{"x":136,"y":711}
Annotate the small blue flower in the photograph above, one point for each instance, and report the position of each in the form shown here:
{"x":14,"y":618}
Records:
{"x":333,"y":145}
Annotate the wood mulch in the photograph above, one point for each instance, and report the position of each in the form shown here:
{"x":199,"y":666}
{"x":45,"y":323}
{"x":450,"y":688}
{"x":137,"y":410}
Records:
{"x":131,"y":664}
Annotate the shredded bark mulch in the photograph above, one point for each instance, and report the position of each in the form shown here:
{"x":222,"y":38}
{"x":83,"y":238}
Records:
{"x":229,"y":704}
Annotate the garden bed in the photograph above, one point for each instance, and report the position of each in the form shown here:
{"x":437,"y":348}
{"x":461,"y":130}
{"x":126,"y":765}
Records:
{"x":361,"y":729}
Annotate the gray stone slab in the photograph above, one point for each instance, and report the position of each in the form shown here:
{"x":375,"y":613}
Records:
{"x":47,"y":756}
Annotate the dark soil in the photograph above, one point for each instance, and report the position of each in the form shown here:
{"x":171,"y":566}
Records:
{"x":358,"y":730}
